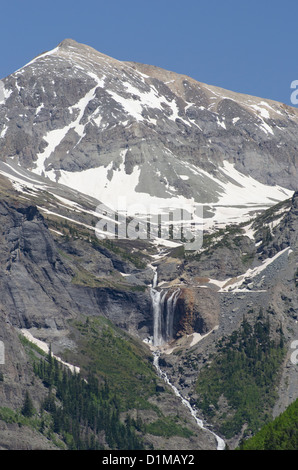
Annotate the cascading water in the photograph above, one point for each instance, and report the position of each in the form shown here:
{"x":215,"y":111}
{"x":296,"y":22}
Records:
{"x":220,"y":442}
{"x":162,"y":302}
{"x":157,"y":336}
{"x":163,"y":306}
{"x":170,"y":311}
{"x":155,"y":297}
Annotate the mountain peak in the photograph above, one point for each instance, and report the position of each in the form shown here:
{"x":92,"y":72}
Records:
{"x":153,"y":135}
{"x":68,"y":42}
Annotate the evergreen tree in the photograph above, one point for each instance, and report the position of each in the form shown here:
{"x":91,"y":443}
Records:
{"x":244,"y":371}
{"x":28,"y":408}
{"x":81,"y":409}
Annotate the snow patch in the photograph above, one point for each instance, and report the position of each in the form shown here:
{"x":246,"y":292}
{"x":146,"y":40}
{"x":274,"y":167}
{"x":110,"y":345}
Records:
{"x":45,"y":348}
{"x":247,"y":190}
{"x":3,"y":132}
{"x":235,"y":284}
{"x":45,"y":54}
{"x":4,"y":93}
{"x":55,"y":137}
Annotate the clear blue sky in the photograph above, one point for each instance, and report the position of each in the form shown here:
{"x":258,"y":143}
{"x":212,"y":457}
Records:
{"x":250,"y":46}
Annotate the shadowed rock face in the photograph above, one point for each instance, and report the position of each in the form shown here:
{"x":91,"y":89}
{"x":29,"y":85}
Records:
{"x":37,"y":282}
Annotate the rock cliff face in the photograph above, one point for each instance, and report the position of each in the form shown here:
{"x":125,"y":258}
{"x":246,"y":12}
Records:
{"x":34,"y":266}
{"x":268,"y":284}
{"x":197,"y":311}
{"x":49,"y":277}
{"x":47,"y":283}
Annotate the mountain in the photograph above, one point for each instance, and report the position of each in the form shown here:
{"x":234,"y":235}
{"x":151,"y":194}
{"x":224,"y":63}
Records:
{"x":145,"y":322}
{"x":79,"y":117}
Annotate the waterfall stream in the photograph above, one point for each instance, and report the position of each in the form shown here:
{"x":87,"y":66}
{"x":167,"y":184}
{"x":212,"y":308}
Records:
{"x":162,"y":333}
{"x":163,"y":305}
{"x":170,"y":310}
{"x":220,"y":442}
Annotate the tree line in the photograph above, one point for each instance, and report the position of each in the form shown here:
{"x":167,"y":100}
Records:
{"x":83,"y":412}
{"x":243,"y":373}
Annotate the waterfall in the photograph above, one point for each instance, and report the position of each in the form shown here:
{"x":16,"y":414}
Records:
{"x":154,"y":283}
{"x":156,"y":305}
{"x":163,"y":306}
{"x":170,"y":311}
{"x":220,"y":442}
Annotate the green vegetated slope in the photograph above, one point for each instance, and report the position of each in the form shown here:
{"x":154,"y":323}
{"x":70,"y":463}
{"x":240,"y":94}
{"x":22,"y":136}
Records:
{"x":279,"y":434}
{"x":104,"y":405}
{"x":80,"y":410}
{"x":237,"y":390}
{"x":112,"y":355}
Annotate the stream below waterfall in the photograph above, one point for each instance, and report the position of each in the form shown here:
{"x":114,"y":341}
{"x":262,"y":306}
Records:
{"x":220,"y":442}
{"x":163,"y":316}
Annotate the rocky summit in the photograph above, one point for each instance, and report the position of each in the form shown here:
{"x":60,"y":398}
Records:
{"x":110,"y":342}
{"x":108,"y":128}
